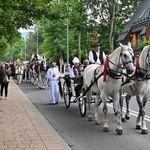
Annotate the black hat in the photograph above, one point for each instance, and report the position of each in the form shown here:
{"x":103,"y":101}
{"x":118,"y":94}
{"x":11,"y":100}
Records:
{"x":97,"y":44}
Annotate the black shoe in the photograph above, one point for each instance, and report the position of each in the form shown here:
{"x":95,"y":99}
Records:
{"x":57,"y":103}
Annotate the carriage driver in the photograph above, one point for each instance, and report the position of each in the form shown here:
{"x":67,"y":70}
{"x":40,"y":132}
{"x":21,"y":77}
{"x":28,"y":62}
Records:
{"x":97,"y":56}
{"x":73,"y":73}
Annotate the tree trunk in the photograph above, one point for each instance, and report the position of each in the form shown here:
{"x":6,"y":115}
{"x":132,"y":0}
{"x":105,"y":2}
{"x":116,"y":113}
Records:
{"x":112,"y":26}
{"x":61,"y":60}
{"x":79,"y":45}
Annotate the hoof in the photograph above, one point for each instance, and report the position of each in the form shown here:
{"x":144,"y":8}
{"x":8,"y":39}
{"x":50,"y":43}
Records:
{"x":138,"y":127}
{"x":90,"y":119}
{"x":119,"y":132}
{"x":115,"y":111}
{"x":106,"y":129}
{"x":144,"y":131}
{"x":123,"y":119}
{"x":127,"y":117}
{"x":97,"y":122}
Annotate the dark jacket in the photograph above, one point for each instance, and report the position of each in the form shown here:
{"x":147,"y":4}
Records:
{"x":2,"y":73}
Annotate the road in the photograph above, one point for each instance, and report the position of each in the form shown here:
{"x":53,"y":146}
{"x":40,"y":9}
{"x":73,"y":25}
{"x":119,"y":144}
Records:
{"x":79,"y":133}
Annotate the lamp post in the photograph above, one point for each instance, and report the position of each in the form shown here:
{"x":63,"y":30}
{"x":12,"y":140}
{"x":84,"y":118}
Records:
{"x":67,"y":38}
{"x":25,"y":49}
{"x":25,"y":39}
{"x":37,"y":45}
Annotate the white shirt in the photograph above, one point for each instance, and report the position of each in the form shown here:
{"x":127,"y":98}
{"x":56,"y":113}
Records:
{"x":71,"y":72}
{"x":53,"y":71}
{"x":91,"y":58}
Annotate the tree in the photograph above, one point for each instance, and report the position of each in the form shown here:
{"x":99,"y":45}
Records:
{"x":16,"y":14}
{"x":86,"y":18}
{"x":109,"y":18}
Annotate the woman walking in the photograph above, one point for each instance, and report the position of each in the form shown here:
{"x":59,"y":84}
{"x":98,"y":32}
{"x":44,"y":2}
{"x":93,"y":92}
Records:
{"x":4,"y":80}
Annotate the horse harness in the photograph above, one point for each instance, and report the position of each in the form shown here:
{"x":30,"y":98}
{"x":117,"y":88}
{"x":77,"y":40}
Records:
{"x":141,"y":72}
{"x":107,"y":71}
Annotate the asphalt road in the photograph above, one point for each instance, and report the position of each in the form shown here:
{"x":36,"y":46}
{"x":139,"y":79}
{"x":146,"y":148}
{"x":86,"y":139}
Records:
{"x":80,"y":134}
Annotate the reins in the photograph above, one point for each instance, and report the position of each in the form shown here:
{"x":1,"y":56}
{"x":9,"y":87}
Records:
{"x":107,"y":71}
{"x":117,"y":74}
{"x":95,"y":79}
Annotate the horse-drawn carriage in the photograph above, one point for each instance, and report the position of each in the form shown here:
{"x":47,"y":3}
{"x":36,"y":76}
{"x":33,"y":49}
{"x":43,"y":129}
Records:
{"x":79,"y":96}
{"x":105,"y":81}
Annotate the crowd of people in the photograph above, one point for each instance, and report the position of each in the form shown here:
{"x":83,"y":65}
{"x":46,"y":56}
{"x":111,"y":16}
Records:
{"x":18,"y":69}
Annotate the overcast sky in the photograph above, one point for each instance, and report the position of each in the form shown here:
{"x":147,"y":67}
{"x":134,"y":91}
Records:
{"x":21,"y":30}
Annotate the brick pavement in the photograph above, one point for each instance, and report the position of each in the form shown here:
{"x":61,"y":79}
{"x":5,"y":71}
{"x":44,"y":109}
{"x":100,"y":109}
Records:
{"x":22,"y":126}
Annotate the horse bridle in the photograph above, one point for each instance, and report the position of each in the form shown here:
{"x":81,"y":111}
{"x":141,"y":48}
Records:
{"x":116,"y":74}
{"x":124,"y":63}
{"x":131,"y":61}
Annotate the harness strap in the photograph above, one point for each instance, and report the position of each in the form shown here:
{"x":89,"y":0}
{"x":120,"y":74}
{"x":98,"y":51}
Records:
{"x":137,"y":66}
{"x":106,"y":65}
{"x":132,"y":90}
{"x":95,"y":79}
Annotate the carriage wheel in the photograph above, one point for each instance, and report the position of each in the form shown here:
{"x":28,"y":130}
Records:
{"x":66,"y":95}
{"x":82,"y":104}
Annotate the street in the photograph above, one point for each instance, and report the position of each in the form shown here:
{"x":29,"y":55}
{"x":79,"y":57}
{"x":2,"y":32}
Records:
{"x":79,"y":133}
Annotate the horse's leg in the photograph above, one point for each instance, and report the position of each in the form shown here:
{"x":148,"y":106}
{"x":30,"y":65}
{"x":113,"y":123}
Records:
{"x":138,"y":120}
{"x":43,"y":80}
{"x":33,"y":77}
{"x":97,"y":119}
{"x":119,"y":113}
{"x":105,"y":110}
{"x":90,"y":116}
{"x":29,"y":75}
{"x":40,"y":80}
{"x":121,"y":99}
{"x":36,"y":79}
{"x":127,"y":98}
{"x":143,"y":124}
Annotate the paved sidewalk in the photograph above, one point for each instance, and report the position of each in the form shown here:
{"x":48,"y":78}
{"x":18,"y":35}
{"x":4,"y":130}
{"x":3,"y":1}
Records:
{"x":22,"y":126}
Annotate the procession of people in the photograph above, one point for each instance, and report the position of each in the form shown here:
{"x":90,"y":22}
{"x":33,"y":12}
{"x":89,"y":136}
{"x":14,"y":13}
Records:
{"x":38,"y":69}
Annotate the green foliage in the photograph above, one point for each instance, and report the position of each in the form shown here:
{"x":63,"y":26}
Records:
{"x":87,"y":17}
{"x":144,"y":43}
{"x":15,"y":14}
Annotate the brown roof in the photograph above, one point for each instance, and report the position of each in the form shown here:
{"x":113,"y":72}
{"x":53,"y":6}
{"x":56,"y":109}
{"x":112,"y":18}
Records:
{"x":138,"y":22}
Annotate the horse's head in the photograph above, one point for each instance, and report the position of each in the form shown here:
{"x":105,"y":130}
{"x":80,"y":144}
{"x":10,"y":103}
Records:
{"x":148,"y":58}
{"x":126,"y":58}
{"x":144,"y":59}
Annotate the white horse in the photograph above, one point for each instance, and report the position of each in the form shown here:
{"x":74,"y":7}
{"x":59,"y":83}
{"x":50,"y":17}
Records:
{"x":139,"y":87}
{"x":107,"y":80}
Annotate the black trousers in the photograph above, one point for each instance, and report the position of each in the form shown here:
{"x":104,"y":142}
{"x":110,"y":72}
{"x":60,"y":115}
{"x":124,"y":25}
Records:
{"x":4,"y":85}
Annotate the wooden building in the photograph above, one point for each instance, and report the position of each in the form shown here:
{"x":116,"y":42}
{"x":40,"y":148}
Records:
{"x":138,"y":28}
